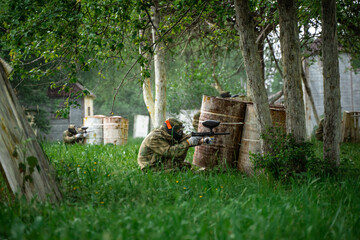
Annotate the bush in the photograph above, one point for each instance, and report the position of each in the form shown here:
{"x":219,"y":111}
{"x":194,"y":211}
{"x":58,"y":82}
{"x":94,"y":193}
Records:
{"x":287,"y":158}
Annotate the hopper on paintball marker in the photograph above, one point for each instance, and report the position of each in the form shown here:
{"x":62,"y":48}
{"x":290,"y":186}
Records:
{"x":83,"y":128}
{"x":209,"y":124}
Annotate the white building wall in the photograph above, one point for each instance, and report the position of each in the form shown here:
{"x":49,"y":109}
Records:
{"x":141,"y":126}
{"x":349,"y":89}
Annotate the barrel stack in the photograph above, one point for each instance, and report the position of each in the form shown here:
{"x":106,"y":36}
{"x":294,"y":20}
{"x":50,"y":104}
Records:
{"x":107,"y":130}
{"x":237,"y":117}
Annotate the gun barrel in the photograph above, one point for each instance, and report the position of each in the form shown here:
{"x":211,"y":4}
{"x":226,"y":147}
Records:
{"x":208,"y":134}
{"x":222,"y":133}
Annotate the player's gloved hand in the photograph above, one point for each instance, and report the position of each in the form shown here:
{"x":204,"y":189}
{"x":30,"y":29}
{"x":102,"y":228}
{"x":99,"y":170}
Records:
{"x":208,"y":140}
{"x":79,"y":135}
{"x":85,"y":135}
{"x":194,"y":141}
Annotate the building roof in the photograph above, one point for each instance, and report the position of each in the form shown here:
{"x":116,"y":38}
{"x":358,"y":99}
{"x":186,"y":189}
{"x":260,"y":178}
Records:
{"x":73,"y":88}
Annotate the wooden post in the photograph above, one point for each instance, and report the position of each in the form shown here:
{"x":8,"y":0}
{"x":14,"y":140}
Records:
{"x":350,"y":129}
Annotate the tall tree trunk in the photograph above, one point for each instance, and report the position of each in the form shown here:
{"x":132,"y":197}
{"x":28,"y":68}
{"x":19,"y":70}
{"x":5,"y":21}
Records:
{"x":159,"y":68}
{"x":253,"y":67}
{"x":331,"y":78}
{"x":149,"y":100}
{"x":291,"y":58}
{"x":147,"y":93}
{"x":260,"y":46}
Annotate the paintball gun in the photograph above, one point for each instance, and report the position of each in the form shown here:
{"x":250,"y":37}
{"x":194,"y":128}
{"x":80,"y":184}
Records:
{"x":209,"y":124}
{"x":82,"y":133}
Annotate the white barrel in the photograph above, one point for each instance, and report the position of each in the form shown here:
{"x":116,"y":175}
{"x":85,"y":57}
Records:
{"x":95,"y":129}
{"x":115,"y":130}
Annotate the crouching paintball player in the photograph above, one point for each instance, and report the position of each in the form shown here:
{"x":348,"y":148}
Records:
{"x":166,"y":147}
{"x":71,"y":135}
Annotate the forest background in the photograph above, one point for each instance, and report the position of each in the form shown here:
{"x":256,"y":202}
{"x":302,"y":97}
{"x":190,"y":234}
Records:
{"x":190,"y":62}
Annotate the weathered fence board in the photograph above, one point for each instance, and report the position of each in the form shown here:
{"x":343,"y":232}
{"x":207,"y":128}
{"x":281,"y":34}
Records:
{"x":20,"y":151}
{"x":350,"y":129}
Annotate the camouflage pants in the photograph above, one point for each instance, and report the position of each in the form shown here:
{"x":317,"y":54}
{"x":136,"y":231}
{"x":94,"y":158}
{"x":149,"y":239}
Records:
{"x":176,"y":164}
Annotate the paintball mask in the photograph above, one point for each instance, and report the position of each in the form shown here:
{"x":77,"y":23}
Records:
{"x":72,"y":129}
{"x":174,"y":128}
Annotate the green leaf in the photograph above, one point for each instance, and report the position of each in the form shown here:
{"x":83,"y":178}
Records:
{"x":15,"y":153}
{"x":73,"y":80}
{"x":32,"y":161}
{"x":28,"y":178}
{"x":22,"y":167}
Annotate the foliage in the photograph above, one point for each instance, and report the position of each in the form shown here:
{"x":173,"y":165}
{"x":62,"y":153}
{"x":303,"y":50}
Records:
{"x":286,"y":157}
{"x":61,"y":41}
{"x":118,"y":201}
{"x":348,"y":26}
{"x":190,"y":77}
{"x":63,"y":36}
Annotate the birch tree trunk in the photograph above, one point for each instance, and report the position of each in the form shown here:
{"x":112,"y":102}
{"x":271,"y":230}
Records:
{"x":331,"y":77}
{"x":147,"y":93}
{"x":253,"y":67}
{"x":149,"y":100}
{"x":159,"y":71}
{"x":291,"y":58}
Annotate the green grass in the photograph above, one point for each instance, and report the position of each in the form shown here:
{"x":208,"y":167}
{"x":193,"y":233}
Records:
{"x":106,"y":196}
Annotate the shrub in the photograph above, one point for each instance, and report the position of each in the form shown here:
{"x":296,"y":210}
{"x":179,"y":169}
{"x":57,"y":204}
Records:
{"x":286,"y":157}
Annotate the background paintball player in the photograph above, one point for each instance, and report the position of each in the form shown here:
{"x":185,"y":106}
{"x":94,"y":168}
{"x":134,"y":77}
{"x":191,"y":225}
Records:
{"x":72,"y":136}
{"x":166,"y":147}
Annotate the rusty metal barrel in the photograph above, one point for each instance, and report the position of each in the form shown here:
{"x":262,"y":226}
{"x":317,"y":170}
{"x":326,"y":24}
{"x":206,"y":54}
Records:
{"x":116,"y":130}
{"x":95,"y":129}
{"x":250,"y":139}
{"x":224,"y":150}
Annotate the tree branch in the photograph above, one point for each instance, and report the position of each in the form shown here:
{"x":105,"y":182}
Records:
{"x":142,"y":54}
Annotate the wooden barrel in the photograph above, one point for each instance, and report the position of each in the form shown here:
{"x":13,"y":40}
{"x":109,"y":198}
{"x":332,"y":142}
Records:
{"x":95,"y":129}
{"x":224,"y":150}
{"x":115,"y":130}
{"x":278,"y":116}
{"x":250,"y":140}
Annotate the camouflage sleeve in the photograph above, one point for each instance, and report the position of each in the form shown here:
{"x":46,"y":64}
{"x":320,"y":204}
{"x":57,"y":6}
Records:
{"x":162,"y":147}
{"x":185,"y":137}
{"x":67,"y":138}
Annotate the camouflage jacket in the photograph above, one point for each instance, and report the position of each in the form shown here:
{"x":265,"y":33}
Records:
{"x":69,"y":137}
{"x":160,"y":150}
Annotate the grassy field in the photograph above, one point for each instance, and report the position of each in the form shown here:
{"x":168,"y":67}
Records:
{"x":106,"y":196}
